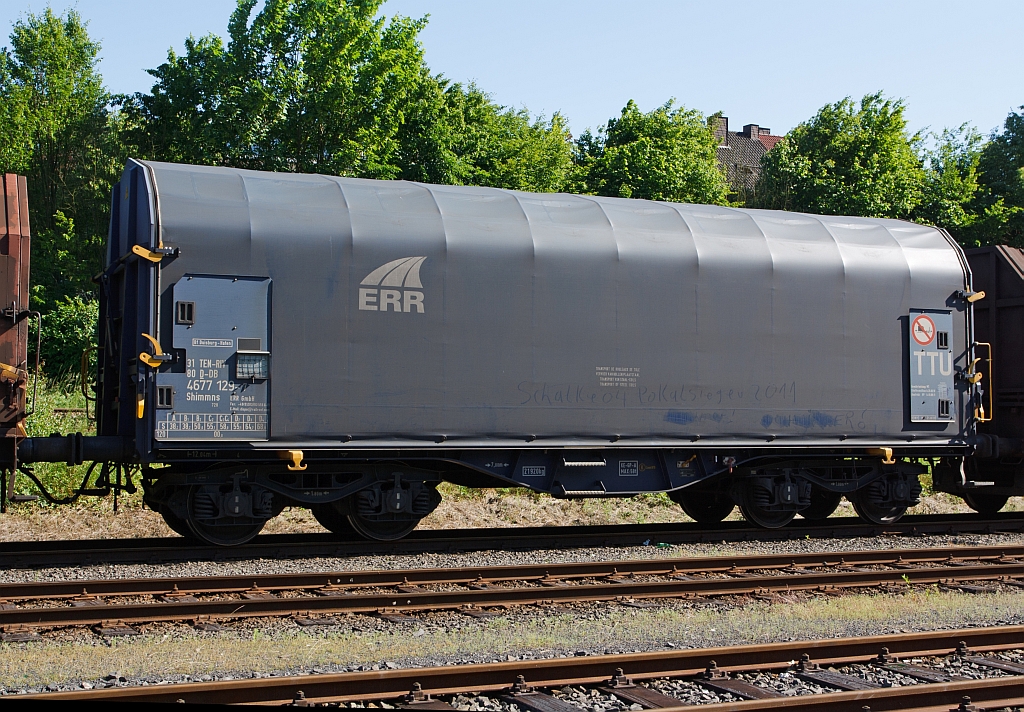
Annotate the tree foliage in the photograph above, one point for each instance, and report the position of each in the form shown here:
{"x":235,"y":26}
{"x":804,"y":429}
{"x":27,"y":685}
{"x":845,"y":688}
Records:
{"x":321,"y":86}
{"x":506,"y":148}
{"x":70,"y":328}
{"x":849,"y":159}
{"x":666,"y":154}
{"x":1000,"y":200}
{"x":861,"y":160}
{"x":950,"y":180}
{"x":315,"y":86}
{"x":55,"y":129}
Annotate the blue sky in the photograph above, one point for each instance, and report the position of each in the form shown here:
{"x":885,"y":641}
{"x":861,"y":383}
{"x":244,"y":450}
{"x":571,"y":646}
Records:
{"x":770,"y":63}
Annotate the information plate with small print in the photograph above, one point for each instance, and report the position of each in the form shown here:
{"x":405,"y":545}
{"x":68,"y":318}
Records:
{"x":930,"y":350}
{"x":222,"y":392}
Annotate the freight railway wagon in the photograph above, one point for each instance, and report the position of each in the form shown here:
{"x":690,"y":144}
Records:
{"x":270,"y":340}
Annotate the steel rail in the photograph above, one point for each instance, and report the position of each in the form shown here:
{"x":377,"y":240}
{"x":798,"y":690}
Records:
{"x":476,"y":598}
{"x":282,"y":546}
{"x":523,"y":572}
{"x":558,"y":672}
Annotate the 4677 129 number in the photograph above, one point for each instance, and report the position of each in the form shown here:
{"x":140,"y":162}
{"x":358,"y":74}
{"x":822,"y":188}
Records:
{"x":201,"y":384}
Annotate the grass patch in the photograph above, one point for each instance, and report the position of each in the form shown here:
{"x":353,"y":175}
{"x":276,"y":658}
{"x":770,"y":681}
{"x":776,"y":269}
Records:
{"x":60,"y":408}
{"x":181,"y":651}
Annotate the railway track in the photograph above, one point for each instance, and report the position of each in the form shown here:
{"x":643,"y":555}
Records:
{"x":114,"y":605}
{"x":284,"y":546}
{"x":528,"y":682}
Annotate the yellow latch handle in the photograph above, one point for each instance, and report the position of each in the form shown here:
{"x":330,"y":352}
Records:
{"x":886,"y":453}
{"x":140,"y":406}
{"x":147,"y":254}
{"x":977,"y":296}
{"x":149,"y":360}
{"x":296,"y":460}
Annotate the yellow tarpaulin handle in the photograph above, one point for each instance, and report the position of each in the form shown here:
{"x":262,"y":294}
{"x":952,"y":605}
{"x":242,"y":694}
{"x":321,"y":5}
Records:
{"x":157,"y":351}
{"x":140,"y":406}
{"x":147,"y":254}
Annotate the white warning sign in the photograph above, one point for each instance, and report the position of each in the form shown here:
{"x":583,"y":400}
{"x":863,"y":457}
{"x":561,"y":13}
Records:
{"x":922,"y":329}
{"x":617,"y":376}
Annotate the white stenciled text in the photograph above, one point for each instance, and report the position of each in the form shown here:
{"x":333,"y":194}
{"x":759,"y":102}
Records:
{"x":396,"y":300}
{"x":926,"y":362}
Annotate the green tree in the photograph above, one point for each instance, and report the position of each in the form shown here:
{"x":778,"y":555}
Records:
{"x":457,"y":135}
{"x":323,"y":86}
{"x":56,"y":129}
{"x":506,"y":148}
{"x":70,"y":328}
{"x":951,"y":181}
{"x":666,"y":154}
{"x":849,"y":159}
{"x":1000,"y":200}
{"x":316,"y":86}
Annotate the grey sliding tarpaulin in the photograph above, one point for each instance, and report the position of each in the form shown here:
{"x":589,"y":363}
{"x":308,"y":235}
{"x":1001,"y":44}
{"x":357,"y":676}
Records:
{"x":409,"y":313}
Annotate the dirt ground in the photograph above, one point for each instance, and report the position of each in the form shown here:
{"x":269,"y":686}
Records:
{"x":460,"y":508}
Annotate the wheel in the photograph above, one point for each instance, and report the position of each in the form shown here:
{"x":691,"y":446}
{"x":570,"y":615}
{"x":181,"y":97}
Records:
{"x":823,"y":503}
{"x":334,"y":521}
{"x":754,"y":509}
{"x":876,"y":512}
{"x":885,"y":500}
{"x":203,"y":521}
{"x":225,"y":534}
{"x":175,"y":523}
{"x":985,"y":503}
{"x":703,"y":506}
{"x":381,"y":529}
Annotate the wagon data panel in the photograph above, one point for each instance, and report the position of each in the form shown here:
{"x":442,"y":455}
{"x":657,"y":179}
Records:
{"x":930,"y":351}
{"x":221,"y":324}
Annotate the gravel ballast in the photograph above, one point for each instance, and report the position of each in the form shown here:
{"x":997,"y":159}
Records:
{"x":248,"y":567}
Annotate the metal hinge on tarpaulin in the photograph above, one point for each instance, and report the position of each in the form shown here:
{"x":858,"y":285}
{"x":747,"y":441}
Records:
{"x":154,"y":361}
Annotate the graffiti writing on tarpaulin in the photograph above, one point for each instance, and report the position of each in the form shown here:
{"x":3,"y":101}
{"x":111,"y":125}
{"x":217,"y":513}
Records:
{"x":560,"y":394}
{"x":717,"y":395}
{"x":685,"y":417}
{"x":567,"y":394}
{"x":847,"y":420}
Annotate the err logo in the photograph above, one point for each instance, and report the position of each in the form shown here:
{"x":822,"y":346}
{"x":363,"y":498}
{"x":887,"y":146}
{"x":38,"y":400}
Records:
{"x":399,"y":283}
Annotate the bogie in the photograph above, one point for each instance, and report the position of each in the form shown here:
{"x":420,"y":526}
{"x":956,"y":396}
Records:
{"x":228,"y":506}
